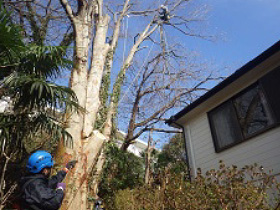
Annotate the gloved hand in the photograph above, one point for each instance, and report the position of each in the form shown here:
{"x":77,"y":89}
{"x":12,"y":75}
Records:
{"x":61,"y":186}
{"x":71,"y":164}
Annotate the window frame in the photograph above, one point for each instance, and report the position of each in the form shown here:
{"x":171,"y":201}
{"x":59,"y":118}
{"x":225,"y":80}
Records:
{"x":248,"y":137}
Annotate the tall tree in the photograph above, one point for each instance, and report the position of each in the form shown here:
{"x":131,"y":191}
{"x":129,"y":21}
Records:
{"x":170,"y":80}
{"x":97,"y":27}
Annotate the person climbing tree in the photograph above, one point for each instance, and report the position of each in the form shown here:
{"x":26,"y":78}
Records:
{"x":164,"y":13}
{"x":38,"y":191}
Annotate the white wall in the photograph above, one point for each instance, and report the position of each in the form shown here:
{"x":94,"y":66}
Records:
{"x":136,"y":148}
{"x":263,"y":149}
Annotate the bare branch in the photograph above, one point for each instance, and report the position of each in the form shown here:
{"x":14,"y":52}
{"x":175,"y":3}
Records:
{"x":2,"y":182}
{"x":142,"y":13}
{"x":9,"y":193}
{"x":67,"y":39}
{"x":178,"y":3}
{"x":118,"y":24}
{"x":68,"y":9}
{"x":190,"y":34}
{"x":163,"y":130}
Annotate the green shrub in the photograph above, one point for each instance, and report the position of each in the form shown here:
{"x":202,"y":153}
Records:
{"x":173,"y":156}
{"x":226,"y":188}
{"x":121,"y":170}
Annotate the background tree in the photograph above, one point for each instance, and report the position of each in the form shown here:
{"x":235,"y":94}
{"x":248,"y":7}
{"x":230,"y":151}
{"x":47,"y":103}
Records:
{"x":173,"y":156}
{"x":122,"y":170}
{"x":169,"y":81}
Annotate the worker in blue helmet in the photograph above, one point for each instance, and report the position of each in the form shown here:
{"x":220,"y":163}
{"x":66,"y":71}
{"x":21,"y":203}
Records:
{"x":38,"y":189}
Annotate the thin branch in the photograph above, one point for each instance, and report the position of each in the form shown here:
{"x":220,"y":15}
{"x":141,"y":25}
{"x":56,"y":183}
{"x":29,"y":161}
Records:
{"x":67,"y":39}
{"x":118,"y":25}
{"x":163,"y":130}
{"x":190,"y":34}
{"x":9,"y":193}
{"x":177,"y":4}
{"x":142,"y":13}
{"x":2,"y":183}
{"x":66,"y":6}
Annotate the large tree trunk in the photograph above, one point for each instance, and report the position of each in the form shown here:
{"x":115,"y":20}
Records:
{"x":78,"y":80}
{"x":86,"y":85}
{"x":99,"y":53}
{"x":102,"y":157}
{"x":76,"y":194}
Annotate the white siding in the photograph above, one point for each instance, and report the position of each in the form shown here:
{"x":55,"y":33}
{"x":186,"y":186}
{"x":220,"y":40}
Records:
{"x":263,"y":149}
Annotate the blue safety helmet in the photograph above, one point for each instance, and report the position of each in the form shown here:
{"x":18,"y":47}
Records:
{"x":38,"y":161}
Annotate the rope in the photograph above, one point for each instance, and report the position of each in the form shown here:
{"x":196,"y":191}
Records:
{"x":125,"y":37}
{"x":168,"y":58}
{"x":137,"y":73}
{"x":159,"y":1}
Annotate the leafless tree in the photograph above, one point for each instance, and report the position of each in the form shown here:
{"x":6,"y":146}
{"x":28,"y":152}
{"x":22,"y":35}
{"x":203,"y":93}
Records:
{"x":95,"y":26}
{"x":167,"y":82}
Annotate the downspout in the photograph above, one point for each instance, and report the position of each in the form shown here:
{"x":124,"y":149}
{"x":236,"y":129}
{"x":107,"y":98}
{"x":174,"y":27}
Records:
{"x":187,"y":156}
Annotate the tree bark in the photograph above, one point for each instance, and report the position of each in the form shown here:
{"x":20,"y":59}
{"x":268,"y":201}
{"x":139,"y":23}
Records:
{"x":148,"y":160}
{"x":117,"y":85}
{"x":77,"y":194}
{"x":99,"y":53}
{"x":131,"y":126}
{"x":84,"y":83}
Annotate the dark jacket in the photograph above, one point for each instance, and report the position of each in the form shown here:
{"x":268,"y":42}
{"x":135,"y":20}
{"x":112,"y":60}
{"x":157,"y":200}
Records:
{"x":40,"y":192}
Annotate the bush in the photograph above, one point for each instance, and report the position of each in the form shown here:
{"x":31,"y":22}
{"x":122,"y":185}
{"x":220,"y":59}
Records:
{"x":226,"y":188}
{"x":173,"y":156}
{"x":121,"y":170}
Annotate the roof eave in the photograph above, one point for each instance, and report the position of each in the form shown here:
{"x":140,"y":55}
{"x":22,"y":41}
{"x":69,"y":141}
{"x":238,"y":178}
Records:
{"x":237,"y":74}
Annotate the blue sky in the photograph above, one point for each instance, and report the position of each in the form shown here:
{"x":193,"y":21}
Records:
{"x":245,"y":29}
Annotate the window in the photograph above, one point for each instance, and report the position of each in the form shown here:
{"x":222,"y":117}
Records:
{"x":252,"y":111}
{"x":224,"y":124}
{"x":247,"y":114}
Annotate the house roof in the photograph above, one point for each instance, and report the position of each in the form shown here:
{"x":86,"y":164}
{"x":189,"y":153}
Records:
{"x":237,"y":74}
{"x":137,"y":141}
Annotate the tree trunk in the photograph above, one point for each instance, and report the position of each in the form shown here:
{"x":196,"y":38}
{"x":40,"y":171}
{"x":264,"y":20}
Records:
{"x":77,"y":179}
{"x":148,"y":161}
{"x":97,"y":173}
{"x":78,"y":83}
{"x":131,"y":125}
{"x":102,"y":157}
{"x":86,"y":84}
{"x":86,"y":87}
{"x":99,"y":53}
{"x":78,"y":80}
{"x":109,"y":121}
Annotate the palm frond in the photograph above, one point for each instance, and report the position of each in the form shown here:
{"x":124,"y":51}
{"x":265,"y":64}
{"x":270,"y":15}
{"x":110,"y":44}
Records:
{"x":35,"y":93}
{"x":24,"y":73}
{"x":17,"y":127}
{"x":11,"y":43}
{"x":44,"y":61}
